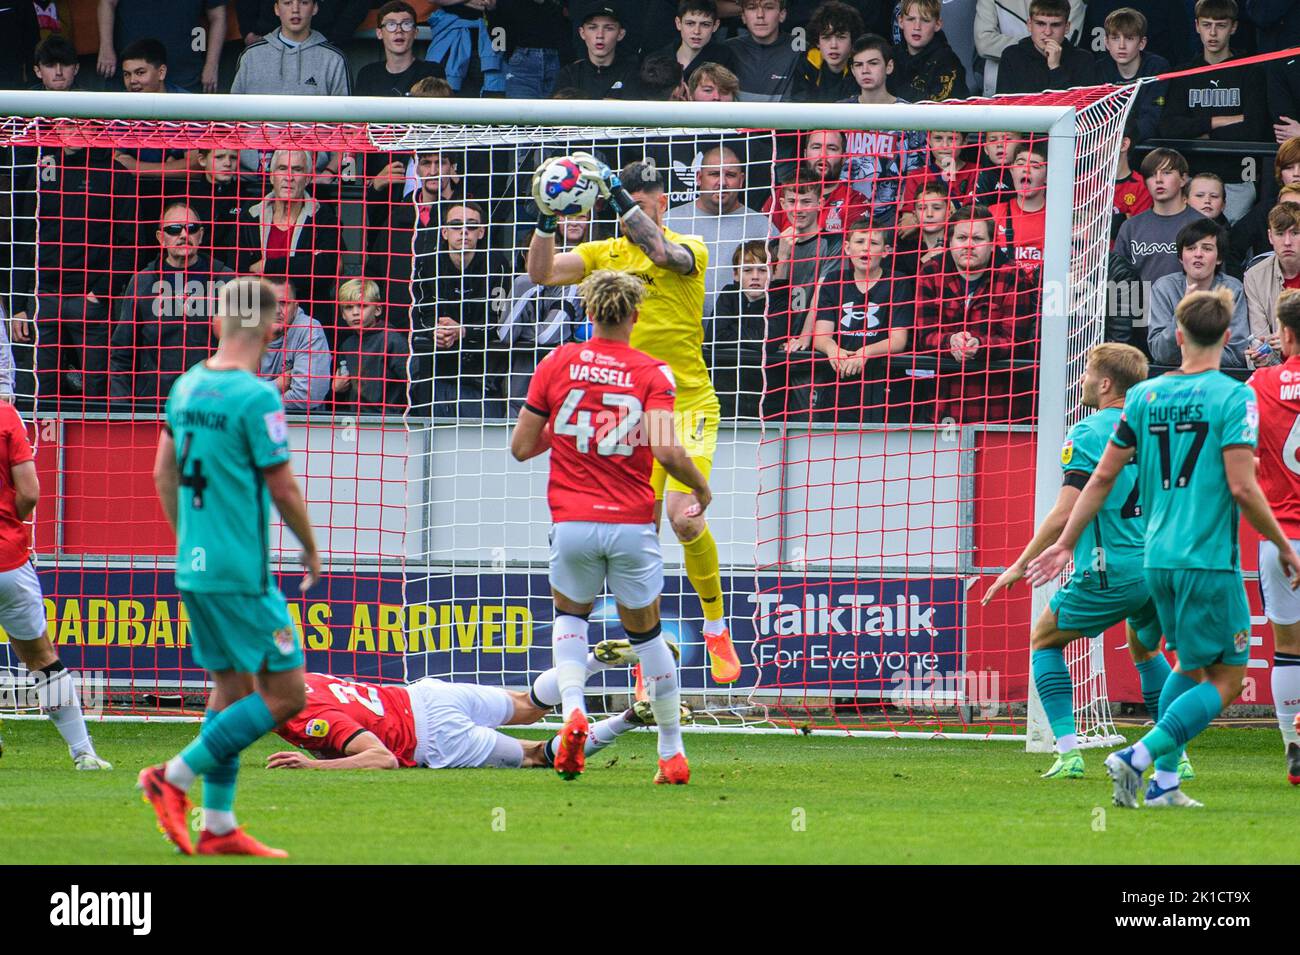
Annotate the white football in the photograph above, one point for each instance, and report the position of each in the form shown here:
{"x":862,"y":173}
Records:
{"x":563,"y":190}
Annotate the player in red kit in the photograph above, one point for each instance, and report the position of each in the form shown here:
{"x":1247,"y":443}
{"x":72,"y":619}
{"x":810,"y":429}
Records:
{"x":432,"y":724}
{"x":1277,"y":394}
{"x":22,"y":610}
{"x":605,"y":412}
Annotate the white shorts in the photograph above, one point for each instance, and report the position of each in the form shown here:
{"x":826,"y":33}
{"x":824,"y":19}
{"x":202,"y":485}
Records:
{"x":22,"y":611}
{"x":1281,"y":603}
{"x":586,"y":555}
{"x":455,"y":723}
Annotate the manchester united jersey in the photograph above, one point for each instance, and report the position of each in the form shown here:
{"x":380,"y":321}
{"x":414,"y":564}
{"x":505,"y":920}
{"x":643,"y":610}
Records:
{"x":15,"y":539}
{"x":338,"y":711}
{"x":595,"y":395}
{"x":1277,"y":392}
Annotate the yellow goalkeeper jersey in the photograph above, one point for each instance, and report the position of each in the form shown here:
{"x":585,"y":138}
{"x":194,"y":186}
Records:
{"x":671,"y":324}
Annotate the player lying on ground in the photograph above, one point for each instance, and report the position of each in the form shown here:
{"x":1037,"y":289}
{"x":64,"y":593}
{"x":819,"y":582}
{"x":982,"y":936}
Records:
{"x":1194,"y":432}
{"x":1277,"y":391}
{"x":223,"y":458}
{"x":22,"y":609}
{"x":438,"y":725}
{"x":1108,"y":585}
{"x":605,"y":411}
{"x":669,"y":328}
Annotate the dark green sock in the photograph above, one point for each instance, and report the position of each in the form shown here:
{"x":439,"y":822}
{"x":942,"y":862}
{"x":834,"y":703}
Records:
{"x":1055,"y":691}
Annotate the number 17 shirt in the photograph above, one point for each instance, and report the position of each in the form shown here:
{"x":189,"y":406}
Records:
{"x":1180,"y":425}
{"x":595,"y":395}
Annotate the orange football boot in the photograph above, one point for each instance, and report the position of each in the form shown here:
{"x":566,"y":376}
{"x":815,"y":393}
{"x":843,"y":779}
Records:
{"x":570,"y":755}
{"x":675,"y":771}
{"x":236,"y":842}
{"x":170,"y":805}
{"x":723,"y":662}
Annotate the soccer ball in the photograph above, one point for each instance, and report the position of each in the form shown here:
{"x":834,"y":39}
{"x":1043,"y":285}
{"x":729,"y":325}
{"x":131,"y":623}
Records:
{"x":562,"y":190}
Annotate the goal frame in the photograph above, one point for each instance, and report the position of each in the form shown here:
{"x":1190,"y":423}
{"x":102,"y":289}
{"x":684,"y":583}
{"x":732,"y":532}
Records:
{"x":1055,"y":122}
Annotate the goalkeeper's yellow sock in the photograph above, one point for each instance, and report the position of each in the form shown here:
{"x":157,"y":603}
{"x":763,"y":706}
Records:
{"x":702,"y":570}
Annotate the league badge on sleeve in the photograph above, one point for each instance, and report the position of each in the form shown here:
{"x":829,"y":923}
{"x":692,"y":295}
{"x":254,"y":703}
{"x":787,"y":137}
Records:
{"x":318,"y":728}
{"x":1067,"y":451}
{"x":277,"y":429}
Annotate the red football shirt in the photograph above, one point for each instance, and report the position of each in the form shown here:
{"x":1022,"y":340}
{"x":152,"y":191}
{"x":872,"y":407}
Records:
{"x":338,"y":711}
{"x":1277,"y":394}
{"x":1131,"y":195}
{"x":594,"y":395}
{"x":1026,"y":240}
{"x":15,"y":538}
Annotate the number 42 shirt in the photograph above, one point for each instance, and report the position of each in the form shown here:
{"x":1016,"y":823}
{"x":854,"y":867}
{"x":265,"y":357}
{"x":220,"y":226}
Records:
{"x":595,"y":395}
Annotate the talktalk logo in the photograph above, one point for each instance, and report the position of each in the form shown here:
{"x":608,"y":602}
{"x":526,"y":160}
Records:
{"x":850,"y":614}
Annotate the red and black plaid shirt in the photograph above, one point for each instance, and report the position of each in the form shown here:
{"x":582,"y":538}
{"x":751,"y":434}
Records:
{"x":1000,"y":309}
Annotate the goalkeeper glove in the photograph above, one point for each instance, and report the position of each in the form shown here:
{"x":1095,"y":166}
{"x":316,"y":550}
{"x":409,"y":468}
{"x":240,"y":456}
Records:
{"x":607,"y":181}
{"x":546,"y":222}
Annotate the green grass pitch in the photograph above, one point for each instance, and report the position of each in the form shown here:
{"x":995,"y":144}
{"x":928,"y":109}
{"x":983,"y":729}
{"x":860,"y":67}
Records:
{"x":786,"y":799}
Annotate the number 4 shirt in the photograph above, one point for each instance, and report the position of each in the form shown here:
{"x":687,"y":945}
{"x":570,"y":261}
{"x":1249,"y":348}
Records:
{"x":228,"y":426}
{"x":595,"y":395}
{"x":1277,"y":391}
{"x":339,"y":711}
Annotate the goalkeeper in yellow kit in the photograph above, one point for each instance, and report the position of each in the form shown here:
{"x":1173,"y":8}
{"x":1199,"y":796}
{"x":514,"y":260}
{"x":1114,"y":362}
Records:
{"x":669,"y":327}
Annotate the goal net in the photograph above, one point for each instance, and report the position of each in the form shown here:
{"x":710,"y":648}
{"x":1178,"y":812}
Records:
{"x":898,"y":303}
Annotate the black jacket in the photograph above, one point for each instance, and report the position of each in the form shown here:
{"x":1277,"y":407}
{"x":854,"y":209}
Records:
{"x":164,"y":326}
{"x":815,"y":82}
{"x":1192,"y":102}
{"x":1024,"y":70}
{"x":83,"y":241}
{"x":599,"y":82}
{"x":376,"y":359}
{"x":476,"y":298}
{"x":935,"y":73}
{"x":314,"y":244}
{"x":218,"y":206}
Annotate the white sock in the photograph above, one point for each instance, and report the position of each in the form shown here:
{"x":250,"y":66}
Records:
{"x":1167,"y":778}
{"x":1141,"y":756}
{"x":1067,"y":742}
{"x":179,"y":774}
{"x":659,"y":670}
{"x":546,"y":688}
{"x":219,"y":821}
{"x":57,"y":694}
{"x":569,"y":651}
{"x":1285,"y":681}
{"x":606,"y":731}
{"x":715,"y":627}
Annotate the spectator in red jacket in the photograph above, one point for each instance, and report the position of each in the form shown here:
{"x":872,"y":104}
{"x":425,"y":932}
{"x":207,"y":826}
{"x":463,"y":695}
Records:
{"x":973,"y":314}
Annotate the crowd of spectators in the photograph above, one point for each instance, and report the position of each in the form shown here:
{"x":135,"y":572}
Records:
{"x":854,"y":275}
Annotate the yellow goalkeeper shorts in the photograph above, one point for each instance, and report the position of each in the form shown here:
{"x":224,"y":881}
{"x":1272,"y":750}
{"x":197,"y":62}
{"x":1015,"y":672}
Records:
{"x":697,"y":429}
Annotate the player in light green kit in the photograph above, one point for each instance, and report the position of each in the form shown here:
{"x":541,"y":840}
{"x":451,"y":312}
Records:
{"x":1108,"y":585}
{"x":223,"y":457}
{"x":1193,"y":432}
